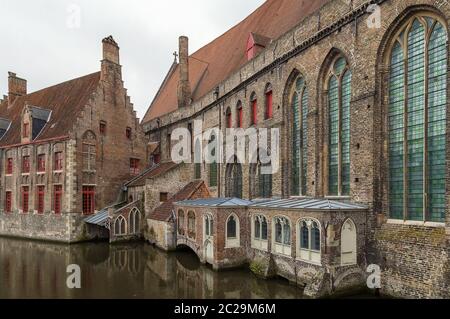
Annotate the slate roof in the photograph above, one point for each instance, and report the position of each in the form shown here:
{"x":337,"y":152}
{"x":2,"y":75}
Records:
{"x":164,"y":211}
{"x":308,"y":204}
{"x":65,"y":101}
{"x":215,"y":202}
{"x":217,"y":60}
{"x":151,"y":172}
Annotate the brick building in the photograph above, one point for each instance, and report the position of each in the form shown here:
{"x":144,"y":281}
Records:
{"x":65,"y":151}
{"x":359,"y":92}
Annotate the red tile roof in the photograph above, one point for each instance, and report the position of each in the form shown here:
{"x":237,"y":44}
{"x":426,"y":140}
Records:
{"x":65,"y":100}
{"x":216,"y":61}
{"x":151,"y":173}
{"x":164,"y":212}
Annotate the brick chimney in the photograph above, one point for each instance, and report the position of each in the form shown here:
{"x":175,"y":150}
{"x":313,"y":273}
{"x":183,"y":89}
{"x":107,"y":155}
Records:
{"x":111,"y":63}
{"x":184,"y":87}
{"x":16,"y":87}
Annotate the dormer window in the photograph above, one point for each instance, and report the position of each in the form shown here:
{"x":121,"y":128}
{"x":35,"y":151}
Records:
{"x":256,"y":43}
{"x":26,"y":130}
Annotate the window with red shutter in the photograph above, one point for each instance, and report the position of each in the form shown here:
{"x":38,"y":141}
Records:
{"x":25,"y":199}
{"x":57,"y":197}
{"x":269,"y":102}
{"x":9,"y":166}
{"x":134,"y":166}
{"x":40,"y":199}
{"x":58,"y":161}
{"x":88,"y":200}
{"x":41,"y":163}
{"x":25,"y":164}
{"x":8,"y":202}
{"x":26,"y":130}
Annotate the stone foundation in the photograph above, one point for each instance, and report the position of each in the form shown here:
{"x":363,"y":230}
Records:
{"x":66,"y":228}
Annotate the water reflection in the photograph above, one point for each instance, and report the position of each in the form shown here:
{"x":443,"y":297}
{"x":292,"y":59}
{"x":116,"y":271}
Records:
{"x":38,"y":270}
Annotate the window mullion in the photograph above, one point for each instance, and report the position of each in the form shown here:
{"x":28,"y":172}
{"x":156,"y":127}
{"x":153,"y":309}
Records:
{"x":405,"y":131}
{"x":425,"y":129}
{"x":340,"y":134}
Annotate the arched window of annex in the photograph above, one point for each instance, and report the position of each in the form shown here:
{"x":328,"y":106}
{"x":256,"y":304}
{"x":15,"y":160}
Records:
{"x":415,"y":54}
{"x":134,"y":221}
{"x":120,"y":226}
{"x":253,"y":109}
{"x":309,"y":240}
{"x":338,"y":93}
{"x":281,"y":234}
{"x":232,"y":232}
{"x":192,"y":225}
{"x":259,"y":232}
{"x":233,"y":179}
{"x":348,"y":243}
{"x":89,"y":151}
{"x":298,"y":99}
{"x":213,"y":166}
{"x":208,"y":226}
{"x":181,"y":222}
{"x":260,"y":176}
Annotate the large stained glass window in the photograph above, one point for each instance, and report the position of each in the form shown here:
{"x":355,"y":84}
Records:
{"x":339,"y":96}
{"x":417,"y":115}
{"x":299,"y":138}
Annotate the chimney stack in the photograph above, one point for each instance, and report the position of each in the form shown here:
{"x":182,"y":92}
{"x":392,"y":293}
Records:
{"x":184,"y":87}
{"x":111,"y":69}
{"x":16,"y":87}
{"x":110,"y":50}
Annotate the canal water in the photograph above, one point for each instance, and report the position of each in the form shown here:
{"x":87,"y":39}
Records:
{"x":30,"y":269}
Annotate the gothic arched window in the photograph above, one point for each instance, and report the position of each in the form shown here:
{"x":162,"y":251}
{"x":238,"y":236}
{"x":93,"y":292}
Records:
{"x":89,"y":151}
{"x":234,"y":179}
{"x":339,"y":96}
{"x":417,"y":120}
{"x":299,"y":104}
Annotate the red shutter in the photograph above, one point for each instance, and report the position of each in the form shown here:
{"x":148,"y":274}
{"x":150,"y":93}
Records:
{"x":25,"y":198}
{"x":57,"y":196}
{"x":88,"y":200}
{"x":58,"y":161}
{"x":26,"y":130}
{"x":8,"y":202}
{"x":25,"y":164}
{"x":41,"y":163}
{"x":40,"y":199}
{"x":134,"y":166}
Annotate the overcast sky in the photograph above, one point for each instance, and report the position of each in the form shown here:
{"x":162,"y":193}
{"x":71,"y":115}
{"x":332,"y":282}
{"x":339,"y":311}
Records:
{"x":51,"y":41}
